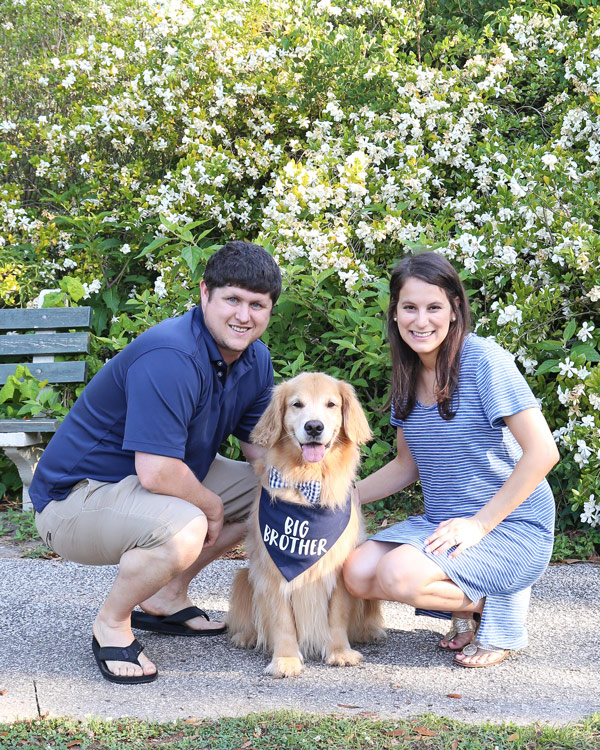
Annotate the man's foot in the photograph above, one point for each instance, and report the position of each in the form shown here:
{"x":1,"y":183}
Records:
{"x":478,"y":654}
{"x":154,"y":606}
{"x":461,"y":633}
{"x":174,"y":624}
{"x":121,"y":637}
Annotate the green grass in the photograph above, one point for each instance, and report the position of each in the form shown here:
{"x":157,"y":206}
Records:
{"x":18,"y":525}
{"x":576,"y":545}
{"x":274,"y":731}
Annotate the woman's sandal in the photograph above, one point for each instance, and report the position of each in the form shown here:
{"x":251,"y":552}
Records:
{"x":459,"y":625}
{"x":472,"y":648}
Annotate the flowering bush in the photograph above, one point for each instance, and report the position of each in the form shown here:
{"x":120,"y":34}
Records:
{"x":136,"y":136}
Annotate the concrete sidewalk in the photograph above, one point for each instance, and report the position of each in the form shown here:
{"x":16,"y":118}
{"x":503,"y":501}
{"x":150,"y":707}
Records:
{"x":47,"y":667}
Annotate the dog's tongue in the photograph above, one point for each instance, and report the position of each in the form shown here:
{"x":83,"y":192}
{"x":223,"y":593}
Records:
{"x":313,"y":452}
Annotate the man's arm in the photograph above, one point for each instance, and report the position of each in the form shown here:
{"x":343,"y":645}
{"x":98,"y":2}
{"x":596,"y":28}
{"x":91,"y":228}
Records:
{"x":171,"y":476}
{"x":251,"y":452}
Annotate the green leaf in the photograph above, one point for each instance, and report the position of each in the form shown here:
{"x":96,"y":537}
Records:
{"x":54,"y":299}
{"x":345,"y":344}
{"x":587,"y":350}
{"x":156,"y":243}
{"x":109,"y":243}
{"x":549,"y":346}
{"x":192,"y":255}
{"x":111,"y":299}
{"x":550,"y":365}
{"x":569,"y":330}
{"x":73,"y":287}
{"x":8,"y":389}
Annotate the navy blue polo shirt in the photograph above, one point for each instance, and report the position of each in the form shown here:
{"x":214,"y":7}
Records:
{"x":167,"y":393}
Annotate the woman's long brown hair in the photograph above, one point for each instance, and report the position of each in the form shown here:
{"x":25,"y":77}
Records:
{"x":433,"y":269}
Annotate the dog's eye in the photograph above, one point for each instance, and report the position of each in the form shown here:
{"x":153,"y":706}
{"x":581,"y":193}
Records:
{"x":297,"y":404}
{"x":331,"y":404}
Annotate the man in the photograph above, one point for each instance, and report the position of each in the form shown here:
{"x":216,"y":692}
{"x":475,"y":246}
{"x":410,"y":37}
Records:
{"x":132,"y":476}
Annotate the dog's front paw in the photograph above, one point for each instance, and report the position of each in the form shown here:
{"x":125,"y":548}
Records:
{"x":344,"y":657}
{"x":285,"y":666}
{"x":244,"y":639}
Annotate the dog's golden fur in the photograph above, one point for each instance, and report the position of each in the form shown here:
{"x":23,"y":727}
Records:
{"x":312,"y":615}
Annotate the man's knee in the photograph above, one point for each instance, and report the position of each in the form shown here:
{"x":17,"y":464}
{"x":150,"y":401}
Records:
{"x":185,"y":546}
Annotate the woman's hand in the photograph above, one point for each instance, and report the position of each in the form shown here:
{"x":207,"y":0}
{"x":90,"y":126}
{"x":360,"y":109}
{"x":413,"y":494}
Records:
{"x":461,"y":533}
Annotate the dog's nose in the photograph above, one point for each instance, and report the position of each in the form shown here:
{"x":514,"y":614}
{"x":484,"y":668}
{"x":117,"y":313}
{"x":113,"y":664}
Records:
{"x":314,"y":428}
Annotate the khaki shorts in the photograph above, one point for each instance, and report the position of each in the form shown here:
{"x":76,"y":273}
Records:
{"x":99,"y":521}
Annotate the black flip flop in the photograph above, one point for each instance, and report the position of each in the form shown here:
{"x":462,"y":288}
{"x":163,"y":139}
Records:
{"x":173,"y":624}
{"x":103,"y":654}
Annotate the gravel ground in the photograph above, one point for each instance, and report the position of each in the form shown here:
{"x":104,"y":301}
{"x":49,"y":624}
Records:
{"x":47,"y":667}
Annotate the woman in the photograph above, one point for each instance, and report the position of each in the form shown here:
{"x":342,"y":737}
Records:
{"x":471,"y":430}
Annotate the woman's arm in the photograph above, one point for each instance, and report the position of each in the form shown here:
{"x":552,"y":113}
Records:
{"x":539,"y":455}
{"x":394,"y":476}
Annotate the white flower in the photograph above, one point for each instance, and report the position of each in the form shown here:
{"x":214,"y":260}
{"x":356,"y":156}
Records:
{"x":159,"y":287}
{"x":550,"y":161}
{"x":510,"y":314}
{"x":588,"y":421}
{"x":92,"y":288}
{"x":68,"y":81}
{"x":567,"y":368}
{"x":125,"y":249}
{"x":591,"y":512}
{"x":563,"y":395}
{"x":517,"y":190}
{"x":585,"y":332}
{"x":594,"y":294}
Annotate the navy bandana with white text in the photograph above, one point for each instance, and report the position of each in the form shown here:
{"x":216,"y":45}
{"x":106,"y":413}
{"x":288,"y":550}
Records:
{"x":297,"y":536}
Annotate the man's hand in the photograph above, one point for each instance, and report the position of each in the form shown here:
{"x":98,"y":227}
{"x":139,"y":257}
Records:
{"x":214,"y":515}
{"x":461,"y":533}
{"x":171,"y":476}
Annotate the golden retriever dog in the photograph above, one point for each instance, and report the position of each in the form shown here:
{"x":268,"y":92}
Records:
{"x":291,"y":601}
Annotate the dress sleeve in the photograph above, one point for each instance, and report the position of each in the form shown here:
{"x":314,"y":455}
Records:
{"x":162,"y":389}
{"x":394,"y":419}
{"x":502,"y":388}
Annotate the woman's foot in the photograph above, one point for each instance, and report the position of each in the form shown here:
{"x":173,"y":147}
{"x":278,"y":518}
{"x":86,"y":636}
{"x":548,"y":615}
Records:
{"x":461,"y":633}
{"x":478,"y":654}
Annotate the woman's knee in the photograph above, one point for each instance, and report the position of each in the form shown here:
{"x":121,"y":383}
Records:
{"x":358,"y":574}
{"x":398,"y":581}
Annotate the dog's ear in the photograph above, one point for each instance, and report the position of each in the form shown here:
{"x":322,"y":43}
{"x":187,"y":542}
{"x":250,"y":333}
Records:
{"x":356,"y":426}
{"x":269,"y":427}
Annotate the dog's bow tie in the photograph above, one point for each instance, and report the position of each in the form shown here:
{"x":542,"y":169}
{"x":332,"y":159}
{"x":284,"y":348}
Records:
{"x":311,"y":490}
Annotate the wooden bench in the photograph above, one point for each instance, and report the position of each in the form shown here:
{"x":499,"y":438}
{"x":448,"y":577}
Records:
{"x":23,"y":440}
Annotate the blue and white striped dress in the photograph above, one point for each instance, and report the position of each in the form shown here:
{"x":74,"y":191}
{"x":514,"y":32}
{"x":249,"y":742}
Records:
{"x":462,"y":464}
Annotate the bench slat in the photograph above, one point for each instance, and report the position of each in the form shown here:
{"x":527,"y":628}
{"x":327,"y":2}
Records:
{"x":28,"y":425}
{"x":53,"y":372}
{"x":49,"y":317}
{"x":44,"y":343}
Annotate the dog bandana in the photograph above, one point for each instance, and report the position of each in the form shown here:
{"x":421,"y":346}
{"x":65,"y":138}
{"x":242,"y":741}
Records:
{"x":311,"y":489}
{"x":297,"y":536}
